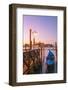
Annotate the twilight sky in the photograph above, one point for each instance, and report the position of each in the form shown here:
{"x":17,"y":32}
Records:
{"x":45,"y":26}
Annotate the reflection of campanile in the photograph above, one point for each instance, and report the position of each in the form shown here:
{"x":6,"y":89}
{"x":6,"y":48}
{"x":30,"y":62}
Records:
{"x":30,"y":39}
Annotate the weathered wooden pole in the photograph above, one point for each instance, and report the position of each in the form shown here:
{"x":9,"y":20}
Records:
{"x":33,"y":42}
{"x":30,"y":38}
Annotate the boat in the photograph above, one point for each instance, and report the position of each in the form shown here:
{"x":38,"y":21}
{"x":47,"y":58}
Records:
{"x":50,"y":62}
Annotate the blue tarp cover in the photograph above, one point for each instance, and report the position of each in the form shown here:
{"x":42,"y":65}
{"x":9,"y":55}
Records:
{"x":49,"y":61}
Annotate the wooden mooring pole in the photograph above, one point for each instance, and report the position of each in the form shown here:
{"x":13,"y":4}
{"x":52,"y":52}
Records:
{"x":30,"y":38}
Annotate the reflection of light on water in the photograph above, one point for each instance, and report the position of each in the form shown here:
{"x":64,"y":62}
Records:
{"x":46,"y":51}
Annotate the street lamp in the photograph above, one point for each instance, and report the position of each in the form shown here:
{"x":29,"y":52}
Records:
{"x":34,"y":35}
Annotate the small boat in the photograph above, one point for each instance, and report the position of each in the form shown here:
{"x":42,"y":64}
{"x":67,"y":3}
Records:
{"x":50,"y":62}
